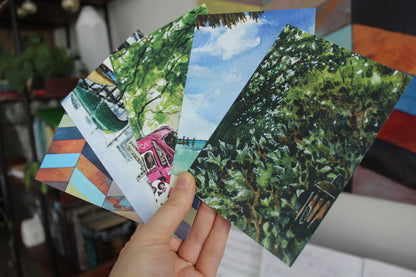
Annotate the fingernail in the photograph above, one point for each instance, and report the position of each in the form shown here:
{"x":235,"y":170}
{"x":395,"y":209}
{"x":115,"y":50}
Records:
{"x":183,"y":180}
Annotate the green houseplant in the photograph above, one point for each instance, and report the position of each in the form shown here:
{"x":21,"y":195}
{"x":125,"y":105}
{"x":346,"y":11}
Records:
{"x":37,"y":63}
{"x":5,"y":56}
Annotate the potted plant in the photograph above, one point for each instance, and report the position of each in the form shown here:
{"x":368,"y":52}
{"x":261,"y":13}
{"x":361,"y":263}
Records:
{"x":4,"y":60}
{"x":36,"y":64}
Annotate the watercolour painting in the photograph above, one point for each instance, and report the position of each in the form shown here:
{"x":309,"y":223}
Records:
{"x":71,"y":166}
{"x":293,"y":138}
{"x":141,"y":169}
{"x":151,"y":75}
{"x":223,"y":58}
{"x":96,"y":107}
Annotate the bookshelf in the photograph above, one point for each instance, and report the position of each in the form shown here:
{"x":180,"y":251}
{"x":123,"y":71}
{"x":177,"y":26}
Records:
{"x":47,"y":255}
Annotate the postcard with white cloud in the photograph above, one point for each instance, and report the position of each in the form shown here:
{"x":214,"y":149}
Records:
{"x":293,"y":138}
{"x":226,"y":50}
{"x":151,"y":77}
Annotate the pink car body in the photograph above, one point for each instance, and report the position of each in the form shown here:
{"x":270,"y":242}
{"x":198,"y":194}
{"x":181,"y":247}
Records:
{"x":157,"y":151}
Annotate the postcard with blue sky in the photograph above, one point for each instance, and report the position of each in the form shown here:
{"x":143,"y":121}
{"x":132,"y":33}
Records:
{"x":293,"y":138}
{"x":226,"y":50}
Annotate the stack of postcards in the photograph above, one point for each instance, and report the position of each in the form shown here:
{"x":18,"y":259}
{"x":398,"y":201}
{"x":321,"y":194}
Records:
{"x":271,"y":120}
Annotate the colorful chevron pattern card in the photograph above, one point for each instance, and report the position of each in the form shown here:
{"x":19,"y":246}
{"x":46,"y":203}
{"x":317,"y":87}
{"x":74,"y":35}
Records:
{"x":70,"y":165}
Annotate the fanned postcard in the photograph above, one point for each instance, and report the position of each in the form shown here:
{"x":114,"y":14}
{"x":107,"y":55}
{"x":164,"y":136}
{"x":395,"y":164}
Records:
{"x":151,"y":76}
{"x":293,"y":137}
{"x":225,"y":53}
{"x":71,"y":166}
{"x":96,"y":107}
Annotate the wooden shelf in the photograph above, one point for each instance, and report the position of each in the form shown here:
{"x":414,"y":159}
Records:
{"x":49,"y":93}
{"x":9,"y":96}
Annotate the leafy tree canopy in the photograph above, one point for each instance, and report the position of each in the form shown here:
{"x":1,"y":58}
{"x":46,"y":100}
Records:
{"x":152,"y":72}
{"x":300,"y":126}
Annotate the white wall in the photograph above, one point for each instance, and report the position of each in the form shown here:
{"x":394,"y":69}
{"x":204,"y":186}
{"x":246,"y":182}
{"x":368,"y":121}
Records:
{"x":370,"y":227}
{"x":127,"y":16}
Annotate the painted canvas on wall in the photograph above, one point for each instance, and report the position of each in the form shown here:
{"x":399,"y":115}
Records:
{"x":293,"y":138}
{"x":385,"y":14}
{"x":71,"y":166}
{"x":389,"y":169}
{"x":223,"y":58}
{"x":390,"y":48}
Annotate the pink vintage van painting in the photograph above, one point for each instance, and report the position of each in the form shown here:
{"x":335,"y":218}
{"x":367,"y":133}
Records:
{"x":157,"y":151}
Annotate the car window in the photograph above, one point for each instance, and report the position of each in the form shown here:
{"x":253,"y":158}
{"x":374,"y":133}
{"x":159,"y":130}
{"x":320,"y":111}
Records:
{"x":149,"y":160}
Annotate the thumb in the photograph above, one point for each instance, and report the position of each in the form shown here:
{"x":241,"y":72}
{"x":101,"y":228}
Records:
{"x":166,"y":220}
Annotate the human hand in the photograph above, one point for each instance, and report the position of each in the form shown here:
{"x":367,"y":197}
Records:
{"x":154,"y":251}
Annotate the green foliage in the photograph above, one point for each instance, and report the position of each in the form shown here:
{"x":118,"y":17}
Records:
{"x":230,"y":19}
{"x":152,"y":73}
{"x":36,"y":61}
{"x":29,"y":176}
{"x":306,"y":117}
{"x":4,"y":57}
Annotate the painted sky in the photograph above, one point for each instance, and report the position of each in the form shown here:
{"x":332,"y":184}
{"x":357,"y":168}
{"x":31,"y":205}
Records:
{"x":222,"y":61}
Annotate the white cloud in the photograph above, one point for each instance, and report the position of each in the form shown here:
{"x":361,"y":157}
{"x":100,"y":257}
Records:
{"x":196,"y":126}
{"x":197,"y":71}
{"x":193,"y":101}
{"x":232,"y":78}
{"x":232,"y":41}
{"x":217,"y":92}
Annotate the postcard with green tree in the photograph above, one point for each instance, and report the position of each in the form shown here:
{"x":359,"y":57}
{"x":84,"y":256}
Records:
{"x":293,"y":137}
{"x":97,"y":110}
{"x":151,"y":76}
{"x":225,"y":53}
